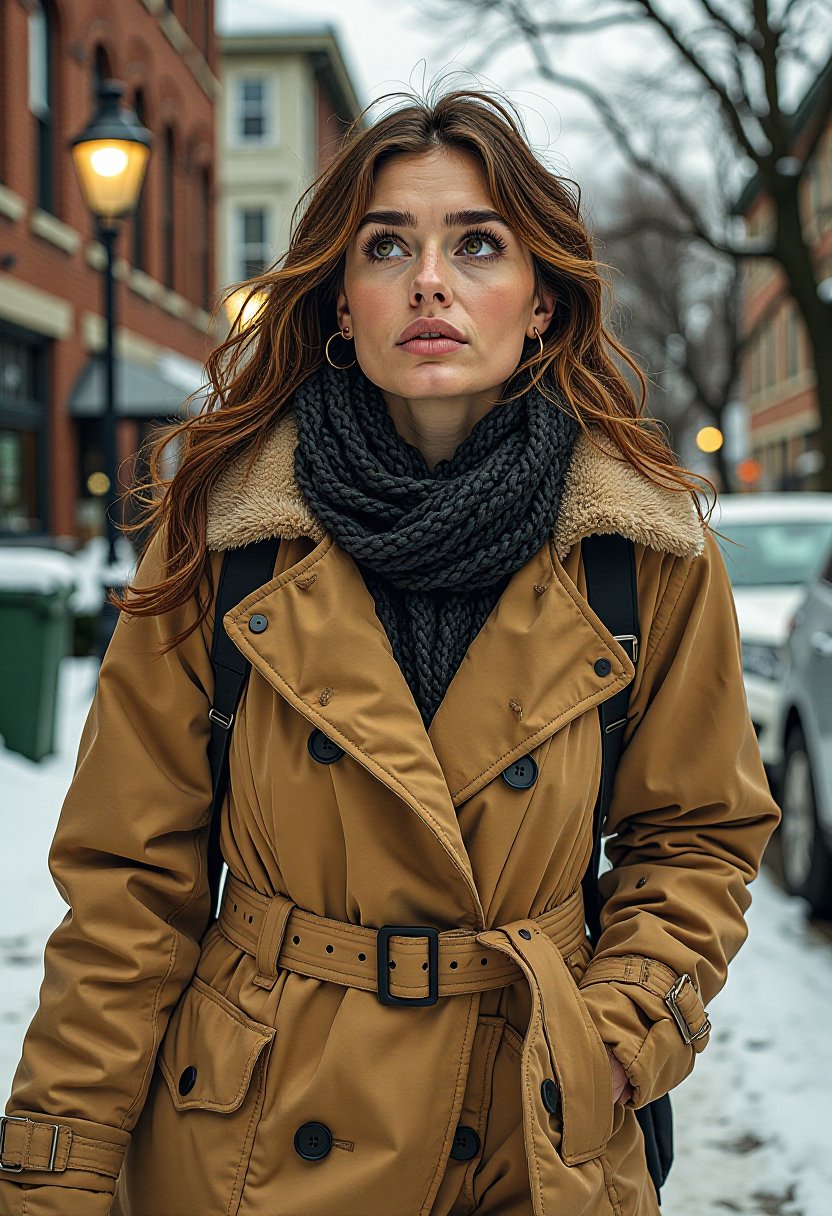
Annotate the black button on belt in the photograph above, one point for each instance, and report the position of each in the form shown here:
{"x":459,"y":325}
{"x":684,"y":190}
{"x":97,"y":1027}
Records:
{"x":603,"y":667}
{"x":522,"y":774}
{"x":313,"y":1141}
{"x":188,"y":1080}
{"x":550,"y":1094}
{"x":258,"y":623}
{"x":466,"y":1144}
{"x":322,"y":748}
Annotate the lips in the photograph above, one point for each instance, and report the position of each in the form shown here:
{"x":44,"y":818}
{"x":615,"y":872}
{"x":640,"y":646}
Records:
{"x":430,"y":325}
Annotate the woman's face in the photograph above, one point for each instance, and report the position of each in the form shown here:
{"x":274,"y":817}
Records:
{"x":428,"y":261}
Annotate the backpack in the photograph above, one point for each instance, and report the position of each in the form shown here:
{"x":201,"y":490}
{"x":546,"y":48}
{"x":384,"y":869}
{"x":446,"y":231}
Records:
{"x":609,"y":567}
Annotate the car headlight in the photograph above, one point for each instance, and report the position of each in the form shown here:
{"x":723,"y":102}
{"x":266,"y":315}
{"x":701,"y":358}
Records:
{"x":763,"y":661}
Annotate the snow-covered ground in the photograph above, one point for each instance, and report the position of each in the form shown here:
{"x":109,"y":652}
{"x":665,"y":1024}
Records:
{"x":752,"y":1120}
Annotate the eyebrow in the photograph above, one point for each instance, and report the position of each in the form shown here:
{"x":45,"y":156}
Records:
{"x":453,"y":219}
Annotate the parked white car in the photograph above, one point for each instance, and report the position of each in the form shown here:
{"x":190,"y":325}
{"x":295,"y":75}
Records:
{"x":806,"y":731}
{"x":781,"y":541}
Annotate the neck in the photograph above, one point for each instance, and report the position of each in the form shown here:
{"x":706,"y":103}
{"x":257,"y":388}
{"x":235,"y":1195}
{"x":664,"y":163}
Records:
{"x":438,"y":425}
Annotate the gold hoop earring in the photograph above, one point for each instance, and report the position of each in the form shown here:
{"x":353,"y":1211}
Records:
{"x":339,"y":366}
{"x":540,"y":340}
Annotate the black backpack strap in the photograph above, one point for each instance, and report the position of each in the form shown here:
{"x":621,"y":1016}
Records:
{"x":243,"y":571}
{"x":612,"y":591}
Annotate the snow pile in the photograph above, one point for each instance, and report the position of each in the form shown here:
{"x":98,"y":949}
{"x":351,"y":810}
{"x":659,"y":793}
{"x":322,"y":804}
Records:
{"x":41,"y":571}
{"x":93,"y":572}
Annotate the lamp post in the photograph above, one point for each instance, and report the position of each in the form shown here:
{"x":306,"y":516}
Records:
{"x":110,"y":157}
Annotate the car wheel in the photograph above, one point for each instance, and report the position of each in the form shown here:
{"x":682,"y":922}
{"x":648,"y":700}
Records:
{"x":807,"y":861}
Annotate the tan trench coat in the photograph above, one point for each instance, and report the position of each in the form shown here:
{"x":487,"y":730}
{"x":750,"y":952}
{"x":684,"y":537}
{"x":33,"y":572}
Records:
{"x":178,"y":1066}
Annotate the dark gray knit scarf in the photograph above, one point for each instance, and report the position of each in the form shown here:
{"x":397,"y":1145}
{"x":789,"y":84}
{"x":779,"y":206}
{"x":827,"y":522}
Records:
{"x":436,"y":547}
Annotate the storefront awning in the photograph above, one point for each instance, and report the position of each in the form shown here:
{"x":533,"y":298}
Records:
{"x":142,"y":390}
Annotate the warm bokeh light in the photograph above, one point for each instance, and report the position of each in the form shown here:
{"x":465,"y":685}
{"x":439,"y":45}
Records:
{"x":109,"y":161}
{"x":242,"y":309}
{"x":98,"y":484}
{"x":748,"y":471}
{"x":709,"y":439}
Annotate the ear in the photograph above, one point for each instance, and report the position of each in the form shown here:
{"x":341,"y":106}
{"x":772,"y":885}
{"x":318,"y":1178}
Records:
{"x":342,"y":311}
{"x":542,"y":313}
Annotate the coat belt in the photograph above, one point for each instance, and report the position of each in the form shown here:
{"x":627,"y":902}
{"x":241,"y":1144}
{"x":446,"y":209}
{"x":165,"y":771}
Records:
{"x":280,"y":934}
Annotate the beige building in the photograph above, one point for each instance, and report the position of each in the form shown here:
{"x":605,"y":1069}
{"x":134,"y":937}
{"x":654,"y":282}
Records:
{"x":286,"y":99}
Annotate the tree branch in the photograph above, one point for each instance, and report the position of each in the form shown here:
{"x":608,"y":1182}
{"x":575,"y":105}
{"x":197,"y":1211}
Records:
{"x":726,"y":104}
{"x":737,"y":35}
{"x":666,"y":228}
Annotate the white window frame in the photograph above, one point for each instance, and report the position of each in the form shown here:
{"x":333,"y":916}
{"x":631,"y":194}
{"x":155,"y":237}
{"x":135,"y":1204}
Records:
{"x":238,"y":111}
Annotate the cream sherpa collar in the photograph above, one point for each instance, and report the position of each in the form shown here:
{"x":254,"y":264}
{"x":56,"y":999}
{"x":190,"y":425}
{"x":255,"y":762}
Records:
{"x":600,"y":494}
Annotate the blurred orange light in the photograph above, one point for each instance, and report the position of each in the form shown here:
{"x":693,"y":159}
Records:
{"x":749,"y":471}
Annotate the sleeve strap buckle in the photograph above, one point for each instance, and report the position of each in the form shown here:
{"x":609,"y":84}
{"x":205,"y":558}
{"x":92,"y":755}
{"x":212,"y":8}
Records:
{"x":671,"y":999}
{"x":16,"y":1169}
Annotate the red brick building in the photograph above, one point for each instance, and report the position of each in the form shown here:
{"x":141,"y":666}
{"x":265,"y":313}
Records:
{"x":778,"y":376}
{"x":52,"y":55}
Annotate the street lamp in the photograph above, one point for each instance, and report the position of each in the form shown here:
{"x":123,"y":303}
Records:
{"x":110,"y":157}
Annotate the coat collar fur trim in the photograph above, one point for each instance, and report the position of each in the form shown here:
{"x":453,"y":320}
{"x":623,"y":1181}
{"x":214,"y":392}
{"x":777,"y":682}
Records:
{"x":601,"y":494}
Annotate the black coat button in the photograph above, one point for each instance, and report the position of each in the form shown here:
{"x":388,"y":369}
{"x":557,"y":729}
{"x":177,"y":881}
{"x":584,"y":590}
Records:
{"x":313,"y":1141}
{"x":603,"y":667}
{"x":188,"y":1080}
{"x":466,"y":1144}
{"x":522,"y":774}
{"x":550,"y":1094}
{"x":258,"y":623}
{"x":322,"y":748}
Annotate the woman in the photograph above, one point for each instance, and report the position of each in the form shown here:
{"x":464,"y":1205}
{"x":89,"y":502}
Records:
{"x":418,"y":745}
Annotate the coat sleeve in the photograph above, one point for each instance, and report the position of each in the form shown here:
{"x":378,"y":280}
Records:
{"x":690,"y":816}
{"x":129,"y":859}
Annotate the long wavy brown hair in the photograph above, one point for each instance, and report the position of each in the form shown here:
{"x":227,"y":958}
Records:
{"x":255,"y":370}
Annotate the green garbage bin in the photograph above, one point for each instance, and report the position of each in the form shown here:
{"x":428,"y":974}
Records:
{"x":35,"y":633}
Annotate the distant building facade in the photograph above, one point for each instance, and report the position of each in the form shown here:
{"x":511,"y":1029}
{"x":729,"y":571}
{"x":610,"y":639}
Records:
{"x":53,"y":54}
{"x":778,"y":377}
{"x":287,"y":98}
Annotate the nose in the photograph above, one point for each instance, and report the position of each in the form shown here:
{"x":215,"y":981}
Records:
{"x":430,"y":283}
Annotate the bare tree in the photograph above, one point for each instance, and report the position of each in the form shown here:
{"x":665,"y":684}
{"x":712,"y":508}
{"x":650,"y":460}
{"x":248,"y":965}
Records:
{"x":717,"y":76}
{"x":676,"y":304}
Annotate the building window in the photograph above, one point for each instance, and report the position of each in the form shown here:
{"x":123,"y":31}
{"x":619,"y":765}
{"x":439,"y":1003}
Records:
{"x":139,"y":250}
{"x":22,"y":435}
{"x":770,"y":348}
{"x":255,"y":251}
{"x":204,"y":238}
{"x":100,"y":71}
{"x":252,"y":115}
{"x":792,"y":343}
{"x":42,"y":103}
{"x":168,"y":233}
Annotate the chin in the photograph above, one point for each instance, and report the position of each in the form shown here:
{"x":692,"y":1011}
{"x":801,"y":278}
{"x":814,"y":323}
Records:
{"x":429,"y":380}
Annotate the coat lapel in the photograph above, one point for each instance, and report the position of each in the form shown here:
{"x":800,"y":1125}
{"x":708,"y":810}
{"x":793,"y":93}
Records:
{"x":528,"y":672}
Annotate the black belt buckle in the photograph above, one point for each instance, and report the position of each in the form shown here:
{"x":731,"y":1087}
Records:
{"x":383,"y":959}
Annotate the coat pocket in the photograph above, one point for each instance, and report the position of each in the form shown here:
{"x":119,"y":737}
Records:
{"x":190,"y":1149}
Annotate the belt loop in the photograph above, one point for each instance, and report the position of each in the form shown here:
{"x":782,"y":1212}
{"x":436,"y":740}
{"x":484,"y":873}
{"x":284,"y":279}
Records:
{"x":271,"y":939}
